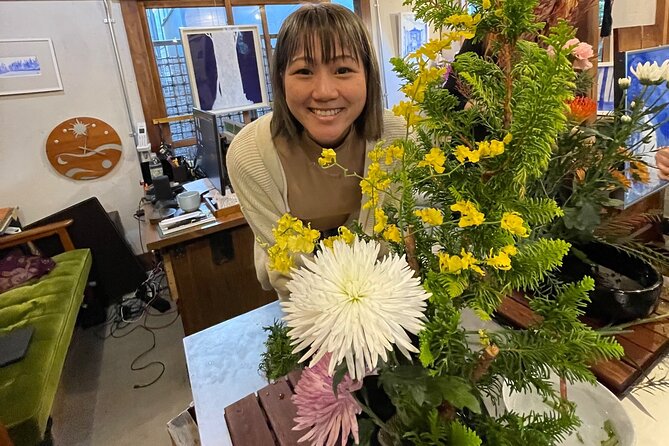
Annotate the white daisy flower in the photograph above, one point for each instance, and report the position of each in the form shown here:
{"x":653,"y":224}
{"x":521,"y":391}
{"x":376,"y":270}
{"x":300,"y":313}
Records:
{"x":354,"y":305}
{"x":624,"y":82}
{"x":651,"y":74}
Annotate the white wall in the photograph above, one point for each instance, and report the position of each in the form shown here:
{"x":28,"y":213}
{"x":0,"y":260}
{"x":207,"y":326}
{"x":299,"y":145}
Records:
{"x":91,"y":87}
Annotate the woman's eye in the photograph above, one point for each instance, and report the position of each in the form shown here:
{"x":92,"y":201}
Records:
{"x":302,"y":71}
{"x":343,"y":70}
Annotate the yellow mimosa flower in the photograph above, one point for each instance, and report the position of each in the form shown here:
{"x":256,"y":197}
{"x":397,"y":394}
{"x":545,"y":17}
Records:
{"x":486,"y":4}
{"x":435,"y":160}
{"x":346,"y":234}
{"x":394,"y":153}
{"x":470,"y":215}
{"x":430,"y":216}
{"x":381,"y":220}
{"x":409,"y":111}
{"x":328,"y":158}
{"x":501,"y":261}
{"x":510,"y":250}
{"x":508,"y":138}
{"x":392,"y":234}
{"x":513,"y":222}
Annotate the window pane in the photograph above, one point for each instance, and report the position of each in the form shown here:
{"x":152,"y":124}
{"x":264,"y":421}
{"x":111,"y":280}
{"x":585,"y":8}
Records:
{"x":164,"y":24}
{"x":347,"y":3}
{"x":276,"y":14}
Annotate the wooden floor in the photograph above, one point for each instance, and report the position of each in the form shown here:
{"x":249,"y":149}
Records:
{"x":644,"y":345}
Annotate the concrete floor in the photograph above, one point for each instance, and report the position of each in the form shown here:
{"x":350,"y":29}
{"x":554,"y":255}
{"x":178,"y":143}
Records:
{"x":97,"y":403}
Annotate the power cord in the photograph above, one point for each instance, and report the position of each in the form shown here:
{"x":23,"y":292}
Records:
{"x":135,"y":310}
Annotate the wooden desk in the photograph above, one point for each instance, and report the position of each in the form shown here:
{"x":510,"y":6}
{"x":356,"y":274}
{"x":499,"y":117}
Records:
{"x":210,"y":270}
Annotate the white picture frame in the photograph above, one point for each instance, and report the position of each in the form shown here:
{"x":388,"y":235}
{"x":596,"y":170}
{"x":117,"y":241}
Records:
{"x":413,"y":33}
{"x":225,"y":68}
{"x":28,"y":66}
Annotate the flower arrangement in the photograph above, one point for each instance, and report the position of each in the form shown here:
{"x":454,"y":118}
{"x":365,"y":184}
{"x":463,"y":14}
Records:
{"x":597,"y":157}
{"x":376,"y":318}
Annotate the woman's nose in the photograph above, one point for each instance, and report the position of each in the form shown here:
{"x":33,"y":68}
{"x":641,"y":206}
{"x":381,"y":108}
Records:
{"x":324,"y":88}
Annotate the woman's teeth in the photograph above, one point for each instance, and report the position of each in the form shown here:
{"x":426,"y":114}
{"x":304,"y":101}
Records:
{"x":326,"y":112}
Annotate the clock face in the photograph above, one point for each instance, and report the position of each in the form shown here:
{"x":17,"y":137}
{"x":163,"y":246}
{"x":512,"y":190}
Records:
{"x":83,"y":148}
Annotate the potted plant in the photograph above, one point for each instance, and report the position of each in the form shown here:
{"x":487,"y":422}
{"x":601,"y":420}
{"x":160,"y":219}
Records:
{"x":386,"y":358}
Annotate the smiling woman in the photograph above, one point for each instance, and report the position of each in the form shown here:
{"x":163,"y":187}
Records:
{"x":327,"y":94}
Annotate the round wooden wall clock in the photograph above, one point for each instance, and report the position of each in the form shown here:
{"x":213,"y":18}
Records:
{"x":83,"y":148}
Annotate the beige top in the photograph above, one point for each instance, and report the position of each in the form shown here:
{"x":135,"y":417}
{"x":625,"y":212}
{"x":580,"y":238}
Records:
{"x":326,"y":198}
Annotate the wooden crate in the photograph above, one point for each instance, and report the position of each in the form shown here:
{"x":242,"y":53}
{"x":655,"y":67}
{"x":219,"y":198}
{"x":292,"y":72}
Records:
{"x":265,"y":418}
{"x":644,"y":346}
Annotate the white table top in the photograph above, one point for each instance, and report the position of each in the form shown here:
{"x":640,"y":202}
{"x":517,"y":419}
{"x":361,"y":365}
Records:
{"x":223,"y":368}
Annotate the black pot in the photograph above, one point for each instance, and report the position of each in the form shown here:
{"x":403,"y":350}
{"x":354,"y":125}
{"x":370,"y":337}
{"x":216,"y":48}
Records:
{"x":626,"y":287}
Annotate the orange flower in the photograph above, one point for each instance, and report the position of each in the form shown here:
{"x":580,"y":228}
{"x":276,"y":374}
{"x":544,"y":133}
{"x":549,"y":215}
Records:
{"x":582,"y":108}
{"x":621,"y":178}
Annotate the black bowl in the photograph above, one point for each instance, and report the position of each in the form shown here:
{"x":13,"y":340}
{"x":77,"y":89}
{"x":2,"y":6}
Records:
{"x":626,"y":287}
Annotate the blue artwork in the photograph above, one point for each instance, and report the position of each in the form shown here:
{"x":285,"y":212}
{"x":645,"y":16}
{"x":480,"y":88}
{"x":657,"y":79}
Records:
{"x":19,"y":66}
{"x":605,"y":99}
{"x":648,"y":143}
{"x":413,"y":34}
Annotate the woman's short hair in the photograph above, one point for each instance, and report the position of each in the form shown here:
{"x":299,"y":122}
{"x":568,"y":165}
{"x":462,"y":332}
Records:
{"x":329,"y":25}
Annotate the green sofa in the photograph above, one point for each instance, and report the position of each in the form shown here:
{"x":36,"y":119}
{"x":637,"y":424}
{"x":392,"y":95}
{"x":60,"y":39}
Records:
{"x":50,"y":304}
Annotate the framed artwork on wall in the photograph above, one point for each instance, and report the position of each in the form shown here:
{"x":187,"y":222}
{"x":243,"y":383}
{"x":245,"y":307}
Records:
{"x":605,"y":88}
{"x":648,"y":142}
{"x":225,"y":68}
{"x":413,"y":33}
{"x":28,"y":66}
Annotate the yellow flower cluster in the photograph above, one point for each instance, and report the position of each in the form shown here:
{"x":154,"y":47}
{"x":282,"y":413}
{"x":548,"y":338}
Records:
{"x":513,"y":222}
{"x":469,"y":214}
{"x":416,"y":89}
{"x":344,"y":234}
{"x":434,"y":160}
{"x":409,"y":111}
{"x":389,"y":154}
{"x":328,"y":158}
{"x":431,"y":216}
{"x":455,"y":264}
{"x":431,"y":48}
{"x":486,"y":4}
{"x":465,"y":20}
{"x":291,"y":237}
{"x":373,"y":184}
{"x":485,"y":149}
{"x":502,"y":260}
{"x":391,"y":232}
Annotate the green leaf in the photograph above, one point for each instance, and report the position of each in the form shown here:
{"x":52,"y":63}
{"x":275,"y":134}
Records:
{"x":463,"y":436}
{"x":366,"y":429}
{"x":339,"y":374}
{"x":458,"y":392}
{"x":426,"y":357}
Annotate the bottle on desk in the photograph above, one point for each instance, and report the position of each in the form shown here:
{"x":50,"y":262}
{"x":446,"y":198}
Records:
{"x":155,"y":167}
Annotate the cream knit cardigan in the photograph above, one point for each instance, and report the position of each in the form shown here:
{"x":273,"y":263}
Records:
{"x":260,"y":185}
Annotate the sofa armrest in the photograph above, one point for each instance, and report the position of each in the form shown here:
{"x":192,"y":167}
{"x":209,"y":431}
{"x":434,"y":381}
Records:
{"x":59,"y":228}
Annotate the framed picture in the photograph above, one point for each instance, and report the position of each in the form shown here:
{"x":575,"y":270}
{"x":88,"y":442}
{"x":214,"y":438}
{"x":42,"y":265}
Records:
{"x":605,"y":88}
{"x":28,"y":66}
{"x":413,"y":33}
{"x":647,"y":143}
{"x":225,"y":68}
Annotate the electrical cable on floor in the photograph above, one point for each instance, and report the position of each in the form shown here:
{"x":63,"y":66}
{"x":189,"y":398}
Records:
{"x":135,"y":310}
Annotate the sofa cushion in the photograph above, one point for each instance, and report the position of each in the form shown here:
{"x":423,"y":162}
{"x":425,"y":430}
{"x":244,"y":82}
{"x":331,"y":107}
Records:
{"x":50,"y":305}
{"x":16,"y":268}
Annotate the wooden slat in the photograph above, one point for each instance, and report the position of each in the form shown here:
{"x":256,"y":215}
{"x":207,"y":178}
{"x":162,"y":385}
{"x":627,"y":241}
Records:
{"x":59,"y":228}
{"x":636,"y":356}
{"x":247,"y":424}
{"x":275,"y":399}
{"x":616,"y":375}
{"x":294,"y":377}
{"x":517,"y":313}
{"x":646,"y":338}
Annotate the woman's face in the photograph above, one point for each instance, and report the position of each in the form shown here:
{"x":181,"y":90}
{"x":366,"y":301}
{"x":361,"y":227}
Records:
{"x":325,"y":98}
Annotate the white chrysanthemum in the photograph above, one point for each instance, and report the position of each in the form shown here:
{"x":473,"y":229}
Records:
{"x":349,"y":303}
{"x":649,"y":74}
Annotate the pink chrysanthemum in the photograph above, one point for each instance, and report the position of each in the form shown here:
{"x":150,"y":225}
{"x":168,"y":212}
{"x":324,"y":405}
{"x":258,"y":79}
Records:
{"x":329,"y":417}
